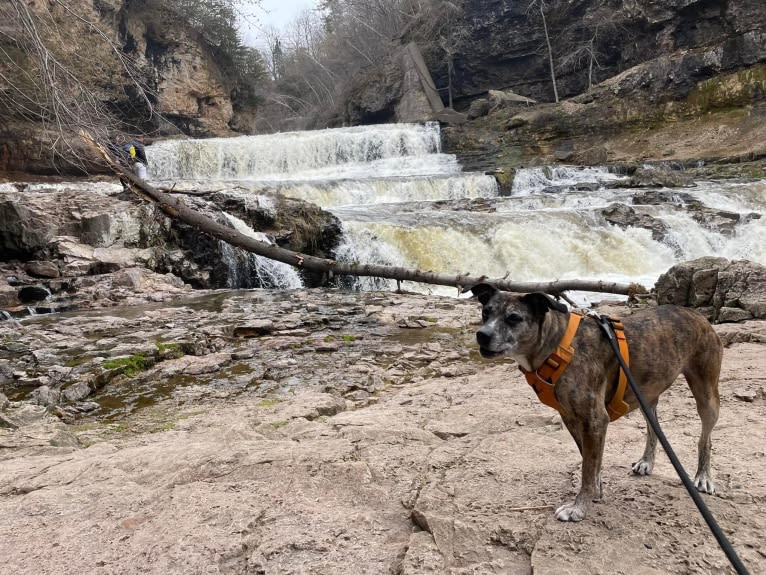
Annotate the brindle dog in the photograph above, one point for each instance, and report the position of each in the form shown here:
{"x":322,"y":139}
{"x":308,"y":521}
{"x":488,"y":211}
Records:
{"x":664,"y":342}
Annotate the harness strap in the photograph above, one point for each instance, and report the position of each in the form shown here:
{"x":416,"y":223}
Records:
{"x":543,"y":380}
{"x":617,"y":407}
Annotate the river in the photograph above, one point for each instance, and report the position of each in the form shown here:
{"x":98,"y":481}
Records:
{"x":404,"y":202}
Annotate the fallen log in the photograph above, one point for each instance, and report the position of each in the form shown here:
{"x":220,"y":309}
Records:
{"x":174,"y":207}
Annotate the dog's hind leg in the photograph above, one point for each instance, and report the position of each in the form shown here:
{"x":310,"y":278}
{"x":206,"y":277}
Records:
{"x":702,"y":377}
{"x":645,"y":465}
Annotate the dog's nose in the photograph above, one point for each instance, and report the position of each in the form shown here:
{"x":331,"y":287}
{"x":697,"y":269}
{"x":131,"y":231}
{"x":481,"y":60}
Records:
{"x":483,"y":337}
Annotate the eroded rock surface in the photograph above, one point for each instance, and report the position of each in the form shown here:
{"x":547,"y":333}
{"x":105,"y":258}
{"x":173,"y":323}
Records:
{"x":307,"y":431}
{"x":90,"y":241}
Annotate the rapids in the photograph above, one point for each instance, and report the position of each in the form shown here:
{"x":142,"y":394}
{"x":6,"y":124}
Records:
{"x":383,"y":183}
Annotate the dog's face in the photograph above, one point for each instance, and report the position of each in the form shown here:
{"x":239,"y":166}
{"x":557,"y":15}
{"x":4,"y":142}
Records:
{"x":511,"y":323}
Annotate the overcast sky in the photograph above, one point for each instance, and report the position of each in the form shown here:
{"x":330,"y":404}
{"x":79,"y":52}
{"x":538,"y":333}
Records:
{"x":277,"y":13}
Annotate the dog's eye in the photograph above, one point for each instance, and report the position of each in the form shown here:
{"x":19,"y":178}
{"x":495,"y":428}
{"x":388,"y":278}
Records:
{"x":513,"y":319}
{"x":484,"y":315}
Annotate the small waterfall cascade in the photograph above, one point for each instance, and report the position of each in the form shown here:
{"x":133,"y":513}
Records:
{"x":528,"y":181}
{"x":323,"y":154}
{"x":251,"y":270}
{"x":403,"y":202}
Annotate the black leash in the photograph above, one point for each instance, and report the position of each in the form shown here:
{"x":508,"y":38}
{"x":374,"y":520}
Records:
{"x":723,"y":542}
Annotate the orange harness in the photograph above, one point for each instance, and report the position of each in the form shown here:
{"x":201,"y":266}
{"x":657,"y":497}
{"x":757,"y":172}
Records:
{"x":543,"y":380}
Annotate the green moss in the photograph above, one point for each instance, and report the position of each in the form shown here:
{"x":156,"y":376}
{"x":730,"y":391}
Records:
{"x":348,"y":338}
{"x":268,"y":402}
{"x":132,"y":364}
{"x":278,"y":424}
{"x":733,"y":90}
{"x":168,"y":346}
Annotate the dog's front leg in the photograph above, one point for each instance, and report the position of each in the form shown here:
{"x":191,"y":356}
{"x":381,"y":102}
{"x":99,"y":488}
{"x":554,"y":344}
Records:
{"x":590,"y":436}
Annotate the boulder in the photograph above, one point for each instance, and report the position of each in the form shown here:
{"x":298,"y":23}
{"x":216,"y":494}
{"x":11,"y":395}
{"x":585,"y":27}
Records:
{"x":723,"y":290}
{"x":479,"y":108}
{"x":627,"y":217}
{"x":42,"y":269}
{"x":30,"y":294}
{"x":24,"y":231}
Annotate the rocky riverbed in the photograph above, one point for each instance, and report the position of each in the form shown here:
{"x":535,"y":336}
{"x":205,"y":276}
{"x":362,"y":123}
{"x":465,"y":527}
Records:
{"x":323,"y":431}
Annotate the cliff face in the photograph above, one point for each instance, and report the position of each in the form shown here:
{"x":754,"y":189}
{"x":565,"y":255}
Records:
{"x":499,"y":45}
{"x":502,"y":44}
{"x":181,"y":78}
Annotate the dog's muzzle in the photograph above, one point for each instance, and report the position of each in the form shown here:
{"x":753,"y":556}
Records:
{"x":484,"y":337}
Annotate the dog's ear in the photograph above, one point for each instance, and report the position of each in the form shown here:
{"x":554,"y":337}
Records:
{"x":484,"y":292}
{"x":541,"y":303}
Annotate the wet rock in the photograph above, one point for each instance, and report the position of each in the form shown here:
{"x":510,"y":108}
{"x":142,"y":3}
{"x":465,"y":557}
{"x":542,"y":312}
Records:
{"x":479,"y":108}
{"x":625,"y":216}
{"x":659,"y":197}
{"x":255,"y":328}
{"x":31,"y":294}
{"x":658,"y":178}
{"x":721,"y":220}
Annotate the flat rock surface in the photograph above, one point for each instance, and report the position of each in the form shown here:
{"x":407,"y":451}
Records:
{"x":345,"y":440}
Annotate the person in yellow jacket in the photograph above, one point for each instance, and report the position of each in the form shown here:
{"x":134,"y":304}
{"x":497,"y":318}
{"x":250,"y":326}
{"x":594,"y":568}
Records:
{"x":137,"y":156}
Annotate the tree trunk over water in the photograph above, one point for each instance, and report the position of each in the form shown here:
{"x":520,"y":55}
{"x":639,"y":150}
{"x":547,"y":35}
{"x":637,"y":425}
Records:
{"x":174,"y":207}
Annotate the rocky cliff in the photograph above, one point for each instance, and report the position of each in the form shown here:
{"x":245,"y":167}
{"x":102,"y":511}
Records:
{"x":499,"y":45}
{"x":639,"y":80}
{"x":123,"y":48}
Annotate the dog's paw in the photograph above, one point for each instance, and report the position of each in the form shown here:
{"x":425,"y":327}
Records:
{"x":570,"y":512}
{"x":643,"y":467}
{"x":704,"y":484}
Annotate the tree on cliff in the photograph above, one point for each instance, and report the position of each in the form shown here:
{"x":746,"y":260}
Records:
{"x":45,"y":79}
{"x":539,"y":5}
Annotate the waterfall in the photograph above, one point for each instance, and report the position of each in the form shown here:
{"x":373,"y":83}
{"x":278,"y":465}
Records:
{"x":403,"y":202}
{"x":321,"y":154}
{"x":392,"y":190}
{"x":534,"y":180}
{"x":250,"y":270}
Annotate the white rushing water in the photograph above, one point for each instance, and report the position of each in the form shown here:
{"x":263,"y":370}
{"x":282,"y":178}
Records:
{"x":262,"y":271}
{"x":386,"y":183}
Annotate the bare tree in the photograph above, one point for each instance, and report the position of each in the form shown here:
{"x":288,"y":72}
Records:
{"x":63,"y":68}
{"x":540,"y":5}
{"x":41,"y":74}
